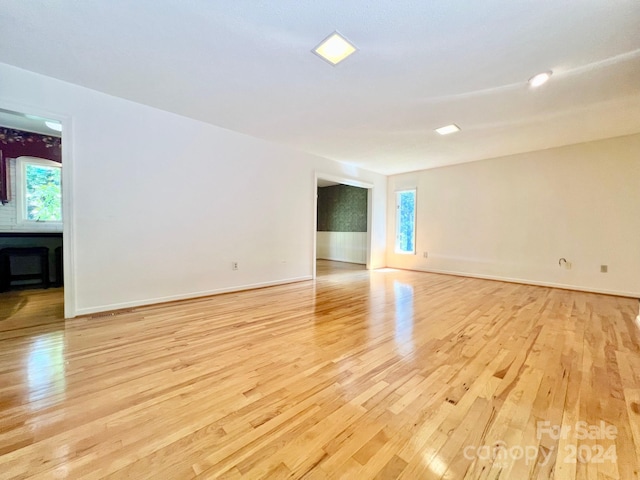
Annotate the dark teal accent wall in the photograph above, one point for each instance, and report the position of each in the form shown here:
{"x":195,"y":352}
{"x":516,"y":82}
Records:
{"x":342,"y":208}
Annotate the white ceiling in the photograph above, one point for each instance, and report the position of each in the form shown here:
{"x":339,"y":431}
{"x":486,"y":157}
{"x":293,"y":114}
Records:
{"x":247,"y":65}
{"x":326,"y":183}
{"x":19,"y":121}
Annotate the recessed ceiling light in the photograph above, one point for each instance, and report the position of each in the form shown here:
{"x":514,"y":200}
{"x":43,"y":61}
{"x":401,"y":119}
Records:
{"x":448,"y":129}
{"x":334,"y":49}
{"x":540,"y":78}
{"x":54,"y":126}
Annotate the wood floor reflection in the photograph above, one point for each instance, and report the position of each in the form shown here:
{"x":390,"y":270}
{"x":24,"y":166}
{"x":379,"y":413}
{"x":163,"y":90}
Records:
{"x":383,"y":374}
{"x":26,"y":312}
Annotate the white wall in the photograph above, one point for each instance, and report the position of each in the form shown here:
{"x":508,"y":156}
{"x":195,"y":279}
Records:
{"x":163,"y":204}
{"x":342,"y":246}
{"x":514,"y":217}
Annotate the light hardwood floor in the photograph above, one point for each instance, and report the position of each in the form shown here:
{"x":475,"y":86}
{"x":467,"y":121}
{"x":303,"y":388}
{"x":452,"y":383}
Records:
{"x":385,"y":374}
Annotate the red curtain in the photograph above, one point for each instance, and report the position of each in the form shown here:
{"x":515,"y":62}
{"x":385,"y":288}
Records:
{"x":4,"y":193}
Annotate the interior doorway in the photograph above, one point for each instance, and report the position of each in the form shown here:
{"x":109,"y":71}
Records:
{"x":32,"y":225}
{"x":342,"y":221}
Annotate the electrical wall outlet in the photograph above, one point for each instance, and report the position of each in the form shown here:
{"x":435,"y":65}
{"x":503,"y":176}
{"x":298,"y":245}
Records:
{"x":425,"y":254}
{"x":234,"y":265}
{"x":604,"y":268}
{"x":567,"y":265}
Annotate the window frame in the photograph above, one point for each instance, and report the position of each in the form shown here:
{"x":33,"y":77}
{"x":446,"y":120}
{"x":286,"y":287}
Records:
{"x":21,"y":190}
{"x":397,"y":249}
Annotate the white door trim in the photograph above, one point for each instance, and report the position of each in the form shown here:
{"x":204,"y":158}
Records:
{"x":68,"y":215}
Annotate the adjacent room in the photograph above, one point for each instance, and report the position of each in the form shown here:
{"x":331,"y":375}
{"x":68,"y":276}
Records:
{"x":360,"y":240}
{"x":342,"y":219}
{"x":31,"y":254}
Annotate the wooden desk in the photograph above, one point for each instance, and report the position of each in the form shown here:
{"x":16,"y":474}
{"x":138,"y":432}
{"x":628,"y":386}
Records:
{"x":6,"y":272}
{"x":48,"y":240}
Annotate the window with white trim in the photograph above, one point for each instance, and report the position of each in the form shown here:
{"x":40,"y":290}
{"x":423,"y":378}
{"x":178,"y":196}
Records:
{"x":38,"y":190}
{"x":406,"y":221}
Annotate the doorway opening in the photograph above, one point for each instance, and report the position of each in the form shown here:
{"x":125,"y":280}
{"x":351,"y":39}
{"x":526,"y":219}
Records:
{"x":32,"y":223}
{"x":342,"y":224}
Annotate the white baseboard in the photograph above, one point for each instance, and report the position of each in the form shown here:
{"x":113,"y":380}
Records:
{"x":187,"y":296}
{"x":343,"y":260}
{"x":562,"y":286}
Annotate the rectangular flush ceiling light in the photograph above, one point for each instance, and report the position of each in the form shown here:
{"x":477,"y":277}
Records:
{"x":448,"y":129}
{"x":334,"y":49}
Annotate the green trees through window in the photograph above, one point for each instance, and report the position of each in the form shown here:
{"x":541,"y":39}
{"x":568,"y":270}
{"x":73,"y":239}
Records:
{"x":43,"y":193}
{"x":405,"y":221}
